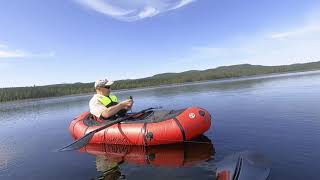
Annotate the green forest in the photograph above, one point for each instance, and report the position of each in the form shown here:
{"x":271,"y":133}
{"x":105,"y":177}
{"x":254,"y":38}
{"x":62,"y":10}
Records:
{"x":18,"y":93}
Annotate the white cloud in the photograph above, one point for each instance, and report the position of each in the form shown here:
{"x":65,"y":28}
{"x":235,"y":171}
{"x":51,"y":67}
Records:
{"x":148,"y":12}
{"x":5,"y":52}
{"x":105,"y":8}
{"x":3,"y":46}
{"x":297,"y":44}
{"x":310,"y":26}
{"x":13,"y":54}
{"x":182,"y":3}
{"x":133,"y":10}
{"x":260,"y":50}
{"x":298,"y":32}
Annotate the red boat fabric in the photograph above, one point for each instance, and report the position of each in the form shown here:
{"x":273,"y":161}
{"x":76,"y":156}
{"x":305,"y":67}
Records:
{"x":186,"y":125}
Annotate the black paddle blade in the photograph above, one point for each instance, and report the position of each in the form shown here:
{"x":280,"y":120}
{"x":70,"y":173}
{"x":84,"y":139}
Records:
{"x":78,"y":144}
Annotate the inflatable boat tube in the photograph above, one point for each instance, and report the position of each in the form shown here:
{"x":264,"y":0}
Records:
{"x":151,"y":128}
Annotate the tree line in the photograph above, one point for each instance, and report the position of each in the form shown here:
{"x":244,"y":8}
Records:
{"x":18,"y":93}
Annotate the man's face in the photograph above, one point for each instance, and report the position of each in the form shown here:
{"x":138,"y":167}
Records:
{"x":105,"y":90}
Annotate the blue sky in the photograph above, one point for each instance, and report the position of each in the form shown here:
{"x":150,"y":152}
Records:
{"x":60,"y":41}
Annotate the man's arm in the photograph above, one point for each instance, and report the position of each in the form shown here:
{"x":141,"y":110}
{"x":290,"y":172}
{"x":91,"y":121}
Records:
{"x":116,"y":108}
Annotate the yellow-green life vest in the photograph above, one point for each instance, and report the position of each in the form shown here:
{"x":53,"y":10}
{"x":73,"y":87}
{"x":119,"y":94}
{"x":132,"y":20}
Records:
{"x":112,"y":100}
{"x":108,"y":101}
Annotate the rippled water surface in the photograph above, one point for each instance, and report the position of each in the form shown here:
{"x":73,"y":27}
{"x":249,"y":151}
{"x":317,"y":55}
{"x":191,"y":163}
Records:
{"x":278,"y":116}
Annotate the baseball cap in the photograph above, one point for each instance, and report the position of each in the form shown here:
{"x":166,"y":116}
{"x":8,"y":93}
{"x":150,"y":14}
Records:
{"x":102,"y":83}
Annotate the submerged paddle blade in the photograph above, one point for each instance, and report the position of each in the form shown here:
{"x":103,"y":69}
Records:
{"x":244,"y":165}
{"x":78,"y":144}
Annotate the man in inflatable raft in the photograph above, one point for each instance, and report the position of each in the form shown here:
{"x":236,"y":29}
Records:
{"x":104,"y":105}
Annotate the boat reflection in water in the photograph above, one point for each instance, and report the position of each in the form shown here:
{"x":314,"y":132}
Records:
{"x":109,"y":157}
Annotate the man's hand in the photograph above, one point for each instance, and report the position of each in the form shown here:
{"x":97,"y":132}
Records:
{"x":126,"y":104}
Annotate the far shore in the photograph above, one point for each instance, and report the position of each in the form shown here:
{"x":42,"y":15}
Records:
{"x":261,"y":76}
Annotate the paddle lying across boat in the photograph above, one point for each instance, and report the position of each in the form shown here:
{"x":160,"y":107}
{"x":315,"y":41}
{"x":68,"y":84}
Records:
{"x":149,"y":128}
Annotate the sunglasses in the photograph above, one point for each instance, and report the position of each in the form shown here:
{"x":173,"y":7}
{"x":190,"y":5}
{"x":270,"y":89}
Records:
{"x":107,"y":87}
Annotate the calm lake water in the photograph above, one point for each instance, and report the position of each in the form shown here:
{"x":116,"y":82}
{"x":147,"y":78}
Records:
{"x":278,"y":116}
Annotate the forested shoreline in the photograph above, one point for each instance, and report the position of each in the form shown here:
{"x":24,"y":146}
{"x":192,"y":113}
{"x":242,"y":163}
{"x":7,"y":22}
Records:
{"x":19,"y":93}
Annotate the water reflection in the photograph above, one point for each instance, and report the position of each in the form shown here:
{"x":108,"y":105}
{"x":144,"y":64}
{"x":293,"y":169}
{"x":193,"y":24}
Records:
{"x":274,"y":112}
{"x":237,"y":166}
{"x":110,"y":157}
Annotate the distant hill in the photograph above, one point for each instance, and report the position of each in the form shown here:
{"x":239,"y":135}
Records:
{"x":18,"y":93}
